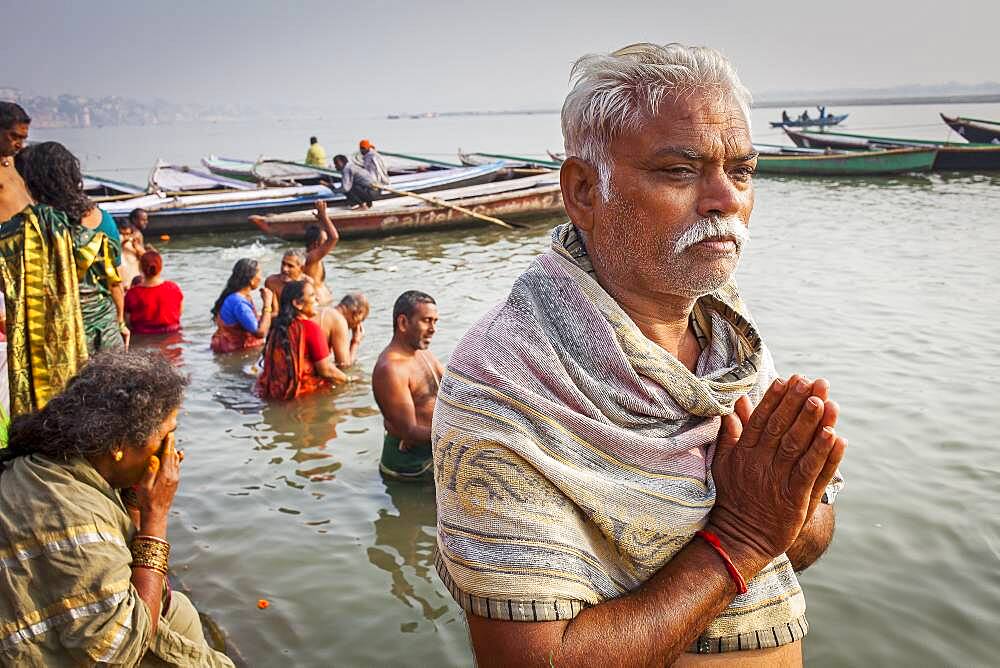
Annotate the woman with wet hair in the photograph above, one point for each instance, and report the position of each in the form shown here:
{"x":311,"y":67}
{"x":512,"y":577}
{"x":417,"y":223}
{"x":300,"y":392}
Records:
{"x":297,"y":358}
{"x":153,"y":305}
{"x":86,"y":487}
{"x":52,"y":175}
{"x":237,"y":325}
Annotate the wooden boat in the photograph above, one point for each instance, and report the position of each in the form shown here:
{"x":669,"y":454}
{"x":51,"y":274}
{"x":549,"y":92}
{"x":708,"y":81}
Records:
{"x":511,"y":161}
{"x":303,"y":174}
{"x":951,"y":156}
{"x":230,"y":167}
{"x":855,"y":163}
{"x":98,"y":188}
{"x":169,"y":178}
{"x":227,"y":211}
{"x":974,"y":130}
{"x":825,"y":121}
{"x":557,"y":157}
{"x":528,"y":197}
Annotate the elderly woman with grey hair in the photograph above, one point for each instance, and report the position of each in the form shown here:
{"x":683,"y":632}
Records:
{"x":86,"y":486}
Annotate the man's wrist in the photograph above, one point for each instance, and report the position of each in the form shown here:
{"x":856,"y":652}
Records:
{"x":748,"y":558}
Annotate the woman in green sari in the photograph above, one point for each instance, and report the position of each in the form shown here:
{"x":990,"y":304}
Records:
{"x":52,"y":176}
{"x":86,"y":487}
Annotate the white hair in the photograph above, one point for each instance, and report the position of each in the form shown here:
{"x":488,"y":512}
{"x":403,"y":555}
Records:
{"x":615,"y":92}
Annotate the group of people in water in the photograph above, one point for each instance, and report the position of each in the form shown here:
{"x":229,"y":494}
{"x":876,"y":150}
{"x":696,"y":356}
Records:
{"x":87,"y":456}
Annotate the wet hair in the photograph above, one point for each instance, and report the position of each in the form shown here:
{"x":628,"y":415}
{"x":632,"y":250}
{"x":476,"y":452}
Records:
{"x":119,"y":399}
{"x":314,"y":233}
{"x":296,"y":253}
{"x":407,"y":303}
{"x":313,"y":140}
{"x":151,"y":263}
{"x":340,"y":157}
{"x":133,"y":215}
{"x":53,"y":177}
{"x":243,"y":272}
{"x":123,"y":224}
{"x":356,"y":302}
{"x":287,"y":312}
{"x":12,"y":114}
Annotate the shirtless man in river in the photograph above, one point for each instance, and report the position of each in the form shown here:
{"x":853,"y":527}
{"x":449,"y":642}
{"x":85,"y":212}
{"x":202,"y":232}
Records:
{"x":343,"y":326}
{"x":292,"y":269}
{"x":14,"y":124}
{"x":320,"y":240}
{"x":405,"y":383}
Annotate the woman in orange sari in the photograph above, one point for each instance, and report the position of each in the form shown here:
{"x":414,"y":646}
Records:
{"x":237,"y":324}
{"x":297,"y":358}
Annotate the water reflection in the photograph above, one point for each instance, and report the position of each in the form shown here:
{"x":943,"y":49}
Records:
{"x":404,"y":548}
{"x":169,"y":345}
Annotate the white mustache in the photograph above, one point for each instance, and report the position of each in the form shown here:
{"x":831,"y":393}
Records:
{"x":706,"y":228}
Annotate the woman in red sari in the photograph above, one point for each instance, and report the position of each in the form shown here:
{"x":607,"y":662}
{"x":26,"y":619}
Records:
{"x":297,"y":358}
{"x":237,"y":324}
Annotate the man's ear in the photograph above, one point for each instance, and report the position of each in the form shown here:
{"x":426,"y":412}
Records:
{"x":580,"y":190}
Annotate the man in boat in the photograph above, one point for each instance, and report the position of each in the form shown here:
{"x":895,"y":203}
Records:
{"x":292,"y":269}
{"x":14,"y":124}
{"x":356,"y":183}
{"x":316,"y":155}
{"x":373,"y":162}
{"x":405,"y":383}
{"x":622,"y":478}
{"x":343,"y":326}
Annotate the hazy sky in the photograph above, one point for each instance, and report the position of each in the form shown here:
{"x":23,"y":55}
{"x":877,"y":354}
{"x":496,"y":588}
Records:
{"x":377,"y":56}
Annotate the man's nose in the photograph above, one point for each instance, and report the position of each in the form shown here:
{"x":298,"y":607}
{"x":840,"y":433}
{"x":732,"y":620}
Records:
{"x":719,"y":196}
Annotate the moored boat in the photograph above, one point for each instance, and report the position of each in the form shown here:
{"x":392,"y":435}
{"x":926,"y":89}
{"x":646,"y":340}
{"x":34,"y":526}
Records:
{"x":510,"y":200}
{"x":168,"y":178}
{"x":975,"y":130}
{"x":227,"y":211}
{"x":99,"y":188}
{"x":511,"y":161}
{"x":858,"y":163}
{"x":951,"y":156}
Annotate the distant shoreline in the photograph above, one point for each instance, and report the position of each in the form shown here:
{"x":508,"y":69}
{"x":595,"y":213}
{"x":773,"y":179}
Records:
{"x":762,"y":104}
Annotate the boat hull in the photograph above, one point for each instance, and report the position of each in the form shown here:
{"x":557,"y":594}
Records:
{"x":973,"y":131}
{"x":951,"y":157}
{"x":826,"y":121}
{"x":528,"y":203}
{"x":897,"y":161}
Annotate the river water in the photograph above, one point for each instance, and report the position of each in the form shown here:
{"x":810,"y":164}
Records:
{"x":884,"y":286}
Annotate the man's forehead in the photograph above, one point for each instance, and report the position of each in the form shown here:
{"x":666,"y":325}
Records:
{"x":697,"y":128}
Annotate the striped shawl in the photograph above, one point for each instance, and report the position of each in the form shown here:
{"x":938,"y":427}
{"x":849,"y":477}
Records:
{"x":572,"y":455}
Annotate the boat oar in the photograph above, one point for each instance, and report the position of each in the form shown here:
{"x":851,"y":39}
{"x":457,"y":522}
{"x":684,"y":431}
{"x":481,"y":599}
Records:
{"x":441,"y":202}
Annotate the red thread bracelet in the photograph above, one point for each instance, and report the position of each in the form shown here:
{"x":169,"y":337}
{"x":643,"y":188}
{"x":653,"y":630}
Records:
{"x":716,"y":544}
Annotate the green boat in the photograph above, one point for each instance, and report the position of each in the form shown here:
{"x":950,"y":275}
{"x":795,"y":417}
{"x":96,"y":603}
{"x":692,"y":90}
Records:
{"x":512,"y":161}
{"x":951,"y":156}
{"x":868,"y":163}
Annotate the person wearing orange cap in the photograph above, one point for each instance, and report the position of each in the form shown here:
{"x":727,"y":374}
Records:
{"x":373,"y":162}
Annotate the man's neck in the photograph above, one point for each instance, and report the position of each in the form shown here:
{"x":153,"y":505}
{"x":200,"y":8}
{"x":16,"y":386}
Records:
{"x":662,"y":318}
{"x":402,"y":346}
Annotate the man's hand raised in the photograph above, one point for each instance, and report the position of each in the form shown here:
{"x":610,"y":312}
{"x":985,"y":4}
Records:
{"x":770,"y":469}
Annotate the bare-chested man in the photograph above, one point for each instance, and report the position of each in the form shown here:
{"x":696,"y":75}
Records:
{"x":343,"y":326}
{"x":129,"y":268}
{"x":405,"y":382}
{"x":139,"y":219}
{"x":292,"y":269}
{"x":320,"y":240}
{"x":14,"y":124}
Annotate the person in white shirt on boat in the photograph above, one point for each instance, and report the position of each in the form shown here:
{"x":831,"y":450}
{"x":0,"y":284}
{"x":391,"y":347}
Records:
{"x":373,"y":162}
{"x":356,"y":183}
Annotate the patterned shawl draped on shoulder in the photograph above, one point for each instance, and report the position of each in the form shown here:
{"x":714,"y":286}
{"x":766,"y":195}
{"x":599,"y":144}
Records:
{"x":572,"y":454}
{"x":66,"y":597}
{"x":44,"y":324}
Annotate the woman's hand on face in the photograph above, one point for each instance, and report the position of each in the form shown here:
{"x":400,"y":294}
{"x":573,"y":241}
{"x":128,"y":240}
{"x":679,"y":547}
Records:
{"x":158,"y":485}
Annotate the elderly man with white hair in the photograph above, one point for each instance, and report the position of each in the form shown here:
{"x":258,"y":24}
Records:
{"x":622,"y":476}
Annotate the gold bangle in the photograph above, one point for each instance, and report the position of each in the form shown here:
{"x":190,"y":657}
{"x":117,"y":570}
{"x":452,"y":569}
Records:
{"x":150,"y":552}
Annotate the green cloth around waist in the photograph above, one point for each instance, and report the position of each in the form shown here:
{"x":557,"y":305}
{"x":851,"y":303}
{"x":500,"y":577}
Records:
{"x":415,"y":462}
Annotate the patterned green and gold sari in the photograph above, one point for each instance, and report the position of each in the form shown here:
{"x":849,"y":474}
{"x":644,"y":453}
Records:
{"x":45,"y":341}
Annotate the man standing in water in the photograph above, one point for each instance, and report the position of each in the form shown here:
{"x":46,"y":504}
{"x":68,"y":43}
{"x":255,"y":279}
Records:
{"x":343,"y":326}
{"x":14,"y":124}
{"x":405,"y":383}
{"x":622,"y":476}
{"x":292,"y":269}
{"x":319,"y":242}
